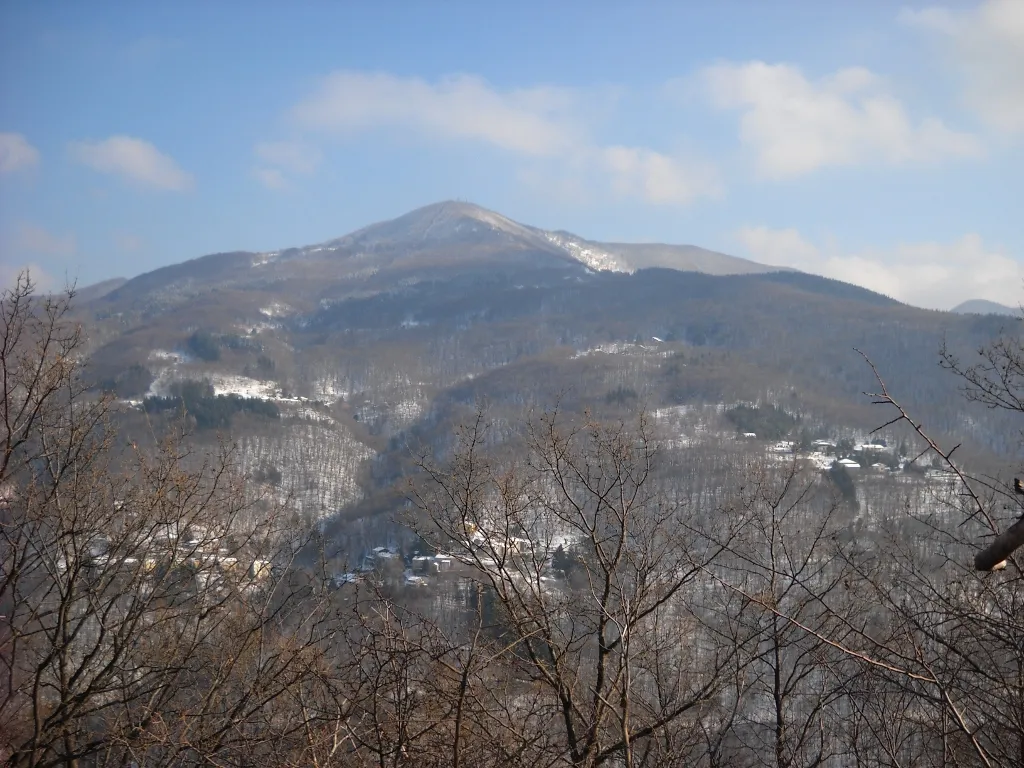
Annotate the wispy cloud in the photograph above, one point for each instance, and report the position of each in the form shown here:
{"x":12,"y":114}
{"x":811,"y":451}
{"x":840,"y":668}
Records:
{"x":134,"y":160}
{"x":40,"y":277}
{"x":271,"y":178}
{"x":531,"y":121}
{"x":16,"y":153}
{"x":658,"y":178}
{"x":545,"y":126}
{"x":925,"y":274}
{"x":987,"y":47}
{"x":794,"y":125}
{"x":281,"y":159}
{"x":28,"y":245}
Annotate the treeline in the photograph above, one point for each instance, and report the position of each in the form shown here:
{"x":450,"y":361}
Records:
{"x":206,"y":346}
{"x":768,"y":422}
{"x":209,"y":411}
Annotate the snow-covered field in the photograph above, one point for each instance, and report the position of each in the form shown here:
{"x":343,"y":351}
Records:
{"x":227,"y":384}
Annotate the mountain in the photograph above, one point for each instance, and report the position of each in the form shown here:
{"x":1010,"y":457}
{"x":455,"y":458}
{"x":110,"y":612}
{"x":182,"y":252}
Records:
{"x":984,"y":307}
{"x":464,"y":223}
{"x":445,"y":222}
{"x":388,"y":337}
{"x":98,"y":290}
{"x":629,"y":257}
{"x":429,"y":243}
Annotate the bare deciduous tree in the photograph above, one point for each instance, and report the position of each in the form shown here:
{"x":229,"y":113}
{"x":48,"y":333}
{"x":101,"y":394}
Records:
{"x":612,"y":641}
{"x":150,"y":613}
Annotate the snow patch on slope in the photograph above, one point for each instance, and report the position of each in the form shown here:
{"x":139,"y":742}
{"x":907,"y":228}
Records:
{"x":276,"y":309}
{"x":260,"y":259}
{"x":243,"y":386}
{"x":170,"y":357}
{"x":587,"y":254}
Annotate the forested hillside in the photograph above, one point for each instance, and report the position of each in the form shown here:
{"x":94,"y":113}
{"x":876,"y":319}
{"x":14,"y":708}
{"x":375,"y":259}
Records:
{"x":439,"y":493}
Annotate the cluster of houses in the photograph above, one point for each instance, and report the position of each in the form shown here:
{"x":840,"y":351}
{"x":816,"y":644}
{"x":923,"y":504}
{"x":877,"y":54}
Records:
{"x":171,"y":546}
{"x":822,"y":453}
{"x":417,"y":567}
{"x":860,"y":456}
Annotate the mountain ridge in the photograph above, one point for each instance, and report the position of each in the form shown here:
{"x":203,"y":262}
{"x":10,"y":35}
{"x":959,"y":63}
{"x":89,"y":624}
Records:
{"x":984,"y":307}
{"x":418,"y":244}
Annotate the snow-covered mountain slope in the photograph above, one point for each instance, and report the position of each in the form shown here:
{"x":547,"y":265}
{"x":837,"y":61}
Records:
{"x":590,"y":254}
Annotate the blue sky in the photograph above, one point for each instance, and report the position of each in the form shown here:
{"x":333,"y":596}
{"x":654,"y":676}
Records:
{"x":876,"y":143}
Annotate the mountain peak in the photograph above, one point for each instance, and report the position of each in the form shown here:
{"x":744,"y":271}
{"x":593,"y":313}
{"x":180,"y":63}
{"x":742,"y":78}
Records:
{"x":447,"y":221}
{"x":983,"y":307}
{"x":447,"y":236}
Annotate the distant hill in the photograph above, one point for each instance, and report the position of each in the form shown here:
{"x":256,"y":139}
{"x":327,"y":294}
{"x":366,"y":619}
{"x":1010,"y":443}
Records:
{"x":98,"y":290}
{"x":984,"y":307}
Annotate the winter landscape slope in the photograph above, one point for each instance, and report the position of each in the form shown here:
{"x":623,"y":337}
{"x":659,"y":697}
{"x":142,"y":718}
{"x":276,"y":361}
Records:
{"x":362,"y":343}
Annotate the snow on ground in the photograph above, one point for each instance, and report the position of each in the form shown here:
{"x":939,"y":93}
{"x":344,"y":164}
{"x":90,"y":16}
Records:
{"x":672,"y":412}
{"x":259,"y":327}
{"x":407,"y":410}
{"x":171,"y":357}
{"x":264,"y":258}
{"x":820,"y":460}
{"x":318,"y":463}
{"x":276,"y":309}
{"x":593,"y":258}
{"x":624,"y":348}
{"x":163,"y":378}
{"x":681,"y":441}
{"x":311,"y":414}
{"x":329,"y":389}
{"x":613,"y":348}
{"x":226,"y":384}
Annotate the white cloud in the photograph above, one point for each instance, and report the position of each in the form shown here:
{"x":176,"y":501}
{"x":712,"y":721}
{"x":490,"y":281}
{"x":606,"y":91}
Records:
{"x":291,"y":156}
{"x":271,"y":178}
{"x":927,"y":274}
{"x":987,"y":47}
{"x":528,"y":121}
{"x":42,"y":280}
{"x":545,"y":126}
{"x":132,"y":159}
{"x":16,"y":153}
{"x":284,"y":158}
{"x":25,"y":247}
{"x":795,"y":126}
{"x":657,"y":178}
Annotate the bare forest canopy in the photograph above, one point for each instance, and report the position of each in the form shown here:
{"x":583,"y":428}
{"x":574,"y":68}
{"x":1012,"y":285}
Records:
{"x":455,"y":491}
